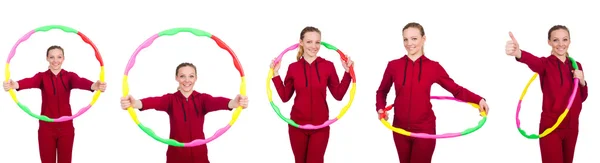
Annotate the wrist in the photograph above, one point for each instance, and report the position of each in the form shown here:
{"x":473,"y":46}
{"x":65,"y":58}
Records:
{"x":583,"y":83}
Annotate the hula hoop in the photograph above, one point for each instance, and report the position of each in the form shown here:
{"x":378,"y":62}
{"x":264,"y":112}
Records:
{"x":13,"y":93}
{"x":560,"y":118}
{"x":199,"y":33}
{"x":328,"y":122}
{"x":432,"y":136}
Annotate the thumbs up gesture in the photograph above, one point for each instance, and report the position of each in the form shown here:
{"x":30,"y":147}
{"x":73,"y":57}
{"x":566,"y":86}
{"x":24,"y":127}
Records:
{"x":512,"y":47}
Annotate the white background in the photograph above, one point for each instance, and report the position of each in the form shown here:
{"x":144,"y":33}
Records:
{"x":467,"y":38}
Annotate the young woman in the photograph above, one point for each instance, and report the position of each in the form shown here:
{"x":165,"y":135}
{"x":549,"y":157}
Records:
{"x":55,"y":138}
{"x":413,"y":75}
{"x":310,"y":77}
{"x":556,"y":79}
{"x":186,"y":109}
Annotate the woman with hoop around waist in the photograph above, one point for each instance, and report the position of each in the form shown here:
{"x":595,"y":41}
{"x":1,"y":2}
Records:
{"x":556,"y":74}
{"x":413,"y":75}
{"x":186,"y":109}
{"x":309,"y":78}
{"x":55,"y":139}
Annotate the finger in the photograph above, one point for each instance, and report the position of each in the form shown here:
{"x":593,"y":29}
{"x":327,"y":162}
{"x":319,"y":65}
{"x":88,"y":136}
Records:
{"x":512,"y":37}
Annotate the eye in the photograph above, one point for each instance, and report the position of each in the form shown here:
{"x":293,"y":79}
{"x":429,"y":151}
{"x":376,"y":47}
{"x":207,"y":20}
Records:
{"x":414,"y":39}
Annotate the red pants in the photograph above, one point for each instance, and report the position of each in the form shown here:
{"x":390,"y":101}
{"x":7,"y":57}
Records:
{"x":558,"y":146}
{"x":53,"y":143}
{"x":309,"y":145}
{"x":415,"y":150}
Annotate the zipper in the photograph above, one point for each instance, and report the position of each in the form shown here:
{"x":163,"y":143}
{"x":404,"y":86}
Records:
{"x":310,"y":93}
{"x":410,"y":94}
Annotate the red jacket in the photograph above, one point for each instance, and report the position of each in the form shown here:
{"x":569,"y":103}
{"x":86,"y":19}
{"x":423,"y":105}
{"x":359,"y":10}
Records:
{"x":186,"y":116}
{"x":310,"y":82}
{"x":56,"y":93}
{"x":556,"y":81}
{"x":413,"y":81}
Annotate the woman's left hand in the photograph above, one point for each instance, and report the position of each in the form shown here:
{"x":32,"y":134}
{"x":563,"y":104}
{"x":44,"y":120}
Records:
{"x":483,"y":107}
{"x":99,"y":86}
{"x":579,"y":75}
{"x":238,"y":101}
{"x":347,"y":64}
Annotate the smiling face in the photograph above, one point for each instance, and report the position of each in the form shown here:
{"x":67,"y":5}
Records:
{"x":311,"y":43}
{"x":559,"y":40}
{"x":186,"y":76}
{"x":413,"y":40}
{"x":55,"y":58}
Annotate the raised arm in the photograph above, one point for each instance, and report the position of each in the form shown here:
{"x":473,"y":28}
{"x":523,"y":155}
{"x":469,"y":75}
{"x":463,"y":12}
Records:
{"x":29,"y":83}
{"x":159,"y":103}
{"x":384,"y":87}
{"x":536,"y":64}
{"x":338,"y":88}
{"x":285,"y":89}
{"x":80,"y":82}
{"x":457,"y":91}
{"x":211,"y":103}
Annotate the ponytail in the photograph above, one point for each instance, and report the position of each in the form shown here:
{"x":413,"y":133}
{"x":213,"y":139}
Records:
{"x":300,"y":53}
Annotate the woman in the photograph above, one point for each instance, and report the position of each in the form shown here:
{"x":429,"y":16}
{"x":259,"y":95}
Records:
{"x":556,"y":79}
{"x":310,"y":77}
{"x":186,"y":109}
{"x":55,"y":138}
{"x":413,"y":75}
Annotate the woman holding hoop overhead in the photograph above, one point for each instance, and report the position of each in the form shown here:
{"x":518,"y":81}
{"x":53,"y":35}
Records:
{"x":413,"y":75}
{"x":555,"y":79}
{"x":309,"y":78}
{"x":55,"y":138}
{"x":186,"y":109}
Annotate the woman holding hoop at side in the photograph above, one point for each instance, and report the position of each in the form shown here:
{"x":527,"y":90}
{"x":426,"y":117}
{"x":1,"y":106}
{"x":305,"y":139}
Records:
{"x":556,"y":79}
{"x":413,"y":75}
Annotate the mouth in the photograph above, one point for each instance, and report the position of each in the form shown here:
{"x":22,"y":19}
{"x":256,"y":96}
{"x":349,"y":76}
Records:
{"x":312,"y":50}
{"x":187,"y":85}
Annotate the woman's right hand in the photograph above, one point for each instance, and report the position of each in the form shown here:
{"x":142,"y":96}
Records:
{"x":275,"y":67}
{"x":379,"y":112}
{"x":10,"y":84}
{"x":512,"y":47}
{"x":127,"y":102}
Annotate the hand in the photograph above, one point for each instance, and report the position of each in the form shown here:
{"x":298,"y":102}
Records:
{"x":579,"y":75}
{"x":127,"y":102}
{"x":512,"y":47}
{"x":275,"y":67}
{"x":101,"y":86}
{"x":238,"y":101}
{"x":380,"y":111}
{"x":347,"y":64}
{"x":483,"y":107}
{"x":10,"y":84}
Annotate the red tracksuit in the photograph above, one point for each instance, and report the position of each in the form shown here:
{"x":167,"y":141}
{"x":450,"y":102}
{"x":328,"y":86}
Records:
{"x":186,"y":116}
{"x":56,"y":138}
{"x":413,"y":81}
{"x":556,"y":80}
{"x":310,"y":82}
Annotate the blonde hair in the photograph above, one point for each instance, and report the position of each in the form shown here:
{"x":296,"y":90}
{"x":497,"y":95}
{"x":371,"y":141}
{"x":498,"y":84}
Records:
{"x":304,"y":31}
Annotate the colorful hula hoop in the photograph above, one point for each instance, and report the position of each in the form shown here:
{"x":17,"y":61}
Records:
{"x":309,"y":126}
{"x":432,"y":136}
{"x":199,"y":33}
{"x":13,"y":93}
{"x":560,"y":118}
